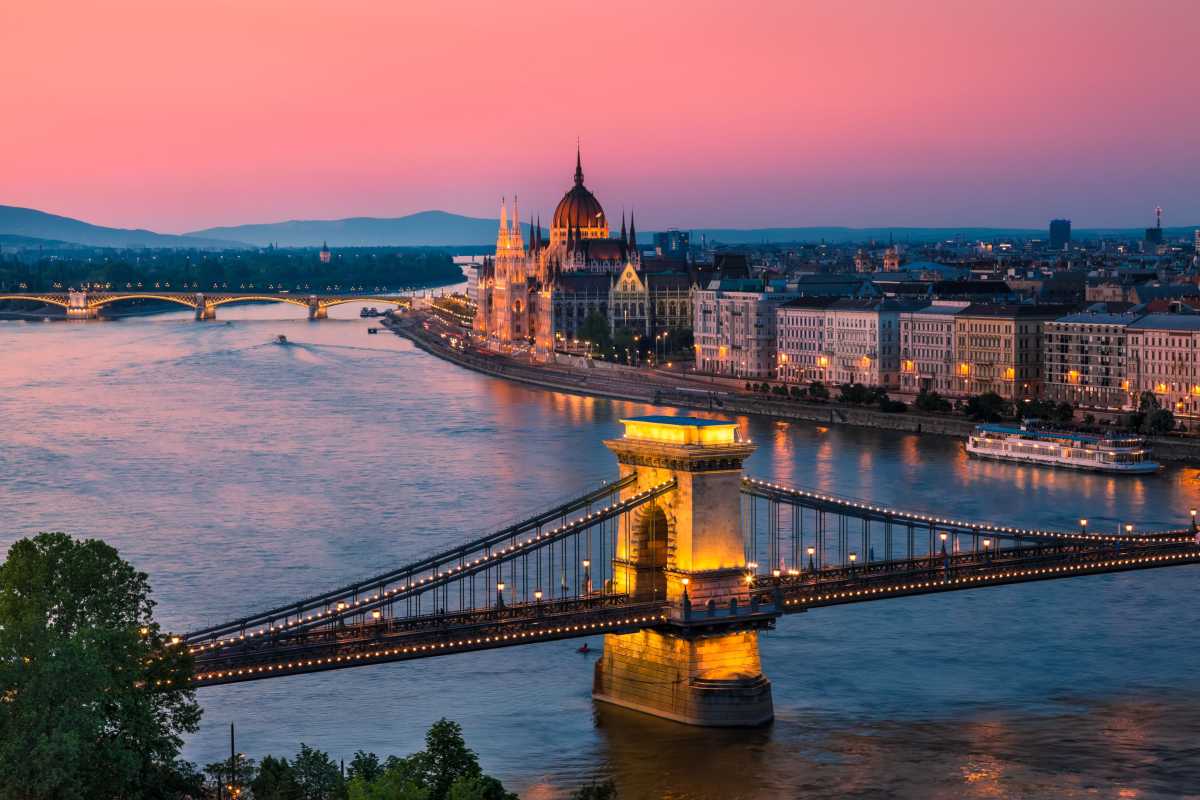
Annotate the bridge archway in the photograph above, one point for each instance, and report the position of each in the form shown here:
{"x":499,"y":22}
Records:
{"x":46,"y":299}
{"x":108,"y":300}
{"x":651,"y":530}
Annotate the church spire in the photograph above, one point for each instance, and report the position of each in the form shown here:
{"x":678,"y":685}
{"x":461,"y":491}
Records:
{"x":504,"y":215}
{"x":516,"y":222}
{"x":624,"y":235}
{"x":632,"y":233}
{"x":578,"y":166}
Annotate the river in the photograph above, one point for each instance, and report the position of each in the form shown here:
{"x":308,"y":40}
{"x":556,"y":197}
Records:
{"x":241,"y":474}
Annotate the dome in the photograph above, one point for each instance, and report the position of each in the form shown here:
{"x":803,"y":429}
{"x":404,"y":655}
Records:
{"x":579,"y":208}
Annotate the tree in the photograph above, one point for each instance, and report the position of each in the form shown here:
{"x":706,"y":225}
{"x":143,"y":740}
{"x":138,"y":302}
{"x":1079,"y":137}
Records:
{"x":446,"y":758}
{"x":931,"y":401}
{"x":986,"y":407}
{"x":366,"y":766}
{"x":595,"y":330}
{"x":276,"y":780}
{"x":317,"y":775}
{"x":95,"y":698}
{"x":236,"y":771}
{"x":818,"y":391}
{"x":1158,"y":421}
{"x":479,"y":787}
{"x":596,"y":791}
{"x":401,"y":780}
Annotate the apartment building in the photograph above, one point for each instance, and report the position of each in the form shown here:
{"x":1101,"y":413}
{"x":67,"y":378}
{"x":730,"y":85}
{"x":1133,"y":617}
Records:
{"x":840,"y":340}
{"x":927,"y":348}
{"x":800,"y":328}
{"x":1086,"y":359}
{"x":1164,"y":358}
{"x":998,"y":348}
{"x":735,"y":327}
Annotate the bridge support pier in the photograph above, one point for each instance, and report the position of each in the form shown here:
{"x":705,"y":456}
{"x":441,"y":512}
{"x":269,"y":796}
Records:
{"x":78,"y":308}
{"x":316,"y":310}
{"x":702,"y":666}
{"x":206,"y":311}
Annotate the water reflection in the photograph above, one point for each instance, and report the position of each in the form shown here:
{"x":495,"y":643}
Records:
{"x":237,"y":473}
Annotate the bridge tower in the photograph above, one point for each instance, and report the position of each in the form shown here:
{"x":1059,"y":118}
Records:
{"x":316,"y":309}
{"x":205,"y":309}
{"x":78,"y":308}
{"x":702,"y":667}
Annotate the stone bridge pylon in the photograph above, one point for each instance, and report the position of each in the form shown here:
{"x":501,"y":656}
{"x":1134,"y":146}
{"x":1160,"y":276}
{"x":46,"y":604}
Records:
{"x":687,"y":548}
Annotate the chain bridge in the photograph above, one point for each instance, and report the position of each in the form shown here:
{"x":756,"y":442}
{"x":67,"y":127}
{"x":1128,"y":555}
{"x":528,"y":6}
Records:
{"x":680,"y":562}
{"x":87,"y":304}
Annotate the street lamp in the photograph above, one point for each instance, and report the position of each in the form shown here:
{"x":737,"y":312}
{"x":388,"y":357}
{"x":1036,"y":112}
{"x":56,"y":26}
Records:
{"x":811,"y":552}
{"x":1193,"y":513}
{"x":587,"y":576}
{"x":500,"y":594}
{"x":1083,"y":526}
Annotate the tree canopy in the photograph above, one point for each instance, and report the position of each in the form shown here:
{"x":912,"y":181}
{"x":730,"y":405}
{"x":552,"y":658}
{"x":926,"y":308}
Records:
{"x":95,"y":700}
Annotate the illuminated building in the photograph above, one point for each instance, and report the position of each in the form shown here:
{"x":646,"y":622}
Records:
{"x":998,"y":348}
{"x":1164,"y":355}
{"x":541,"y":292}
{"x":927,"y":351}
{"x":325,"y":255}
{"x":1086,"y":359}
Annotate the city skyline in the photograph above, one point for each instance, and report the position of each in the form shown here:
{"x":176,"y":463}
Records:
{"x":796,"y":115}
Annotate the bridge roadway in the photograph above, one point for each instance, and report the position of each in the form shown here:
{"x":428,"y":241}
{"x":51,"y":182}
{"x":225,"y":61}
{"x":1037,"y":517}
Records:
{"x":87,"y":304}
{"x":382,"y":619}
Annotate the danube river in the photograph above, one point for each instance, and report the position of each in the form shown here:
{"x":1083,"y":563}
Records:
{"x":241,"y":474}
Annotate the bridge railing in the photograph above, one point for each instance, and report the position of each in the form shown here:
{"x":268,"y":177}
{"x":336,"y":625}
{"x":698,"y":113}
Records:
{"x":528,"y":563}
{"x":791,"y":530}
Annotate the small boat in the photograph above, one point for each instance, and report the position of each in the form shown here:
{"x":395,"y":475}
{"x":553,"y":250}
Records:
{"x":1033,"y":444}
{"x":584,"y":649}
{"x":372,"y":330}
{"x":281,"y":339}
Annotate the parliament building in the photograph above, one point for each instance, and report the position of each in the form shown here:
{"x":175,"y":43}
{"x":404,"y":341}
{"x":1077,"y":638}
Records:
{"x":539,"y":292}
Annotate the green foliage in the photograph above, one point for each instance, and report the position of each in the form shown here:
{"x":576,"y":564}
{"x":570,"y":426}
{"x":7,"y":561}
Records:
{"x":276,"y":780}
{"x":932,"y":402}
{"x":860,"y":394}
{"x":317,"y":775}
{"x":818,"y":391}
{"x":238,"y":771}
{"x":1049,"y":410}
{"x":479,"y":787}
{"x":94,"y":698}
{"x":1158,"y":421}
{"x":595,"y":330}
{"x":797,"y":392}
{"x":890,"y":406}
{"x":446,"y":758}
{"x":1147,"y":402}
{"x":987,"y":407}
{"x":365,"y":765}
{"x":596,"y":791}
{"x":369,"y":267}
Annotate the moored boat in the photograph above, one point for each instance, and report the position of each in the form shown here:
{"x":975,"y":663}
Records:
{"x":1030,"y":443}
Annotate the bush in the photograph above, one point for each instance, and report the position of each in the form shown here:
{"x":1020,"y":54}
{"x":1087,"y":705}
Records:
{"x":818,"y":391}
{"x":890,"y":406}
{"x":987,"y":407}
{"x":933,"y":402}
{"x":797,"y":392}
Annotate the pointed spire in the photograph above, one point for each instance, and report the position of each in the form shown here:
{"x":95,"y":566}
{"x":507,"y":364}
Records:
{"x":632,"y":233}
{"x":539,"y":232}
{"x":504,"y":215}
{"x":624,"y":235}
{"x":578,"y":166}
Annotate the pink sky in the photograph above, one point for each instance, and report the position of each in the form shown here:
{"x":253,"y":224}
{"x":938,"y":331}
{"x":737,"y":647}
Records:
{"x":179,"y":114}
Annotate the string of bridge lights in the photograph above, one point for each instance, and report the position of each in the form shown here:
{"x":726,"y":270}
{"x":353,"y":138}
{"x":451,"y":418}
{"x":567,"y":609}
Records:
{"x":438,"y":578}
{"x":857,"y":594}
{"x":978,"y":526}
{"x":422,"y":648}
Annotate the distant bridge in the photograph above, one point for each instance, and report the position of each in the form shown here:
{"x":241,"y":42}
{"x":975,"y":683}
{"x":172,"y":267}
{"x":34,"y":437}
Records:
{"x":680,"y":562}
{"x":87,"y":304}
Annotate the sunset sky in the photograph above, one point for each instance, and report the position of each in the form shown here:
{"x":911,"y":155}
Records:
{"x":179,"y":114}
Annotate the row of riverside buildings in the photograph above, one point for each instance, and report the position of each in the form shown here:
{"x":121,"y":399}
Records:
{"x":1103,"y":357}
{"x":956,"y":337}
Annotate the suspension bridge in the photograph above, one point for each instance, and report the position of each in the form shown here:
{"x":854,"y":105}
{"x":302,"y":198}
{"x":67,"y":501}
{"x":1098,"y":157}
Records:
{"x":88,"y":304}
{"x":680,"y":562}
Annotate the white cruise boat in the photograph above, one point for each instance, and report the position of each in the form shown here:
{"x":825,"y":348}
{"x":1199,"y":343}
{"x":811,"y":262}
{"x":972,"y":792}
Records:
{"x":1030,"y":444}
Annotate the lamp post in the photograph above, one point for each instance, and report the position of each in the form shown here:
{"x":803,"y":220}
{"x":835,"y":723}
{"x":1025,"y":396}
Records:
{"x":1193,"y":513}
{"x":500,"y":594}
{"x":1083,"y":526}
{"x":587,"y":576}
{"x":811,"y":566}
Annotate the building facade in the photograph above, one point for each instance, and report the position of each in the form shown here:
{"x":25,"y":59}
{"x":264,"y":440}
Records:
{"x":734,"y":327}
{"x":540,"y":292}
{"x":927,"y":348}
{"x":800,"y":324}
{"x":1086,"y":360}
{"x":999,"y":349}
{"x":1164,"y":354}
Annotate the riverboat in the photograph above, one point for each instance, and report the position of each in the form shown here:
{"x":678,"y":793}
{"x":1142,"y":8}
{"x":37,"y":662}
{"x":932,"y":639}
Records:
{"x":1030,"y":443}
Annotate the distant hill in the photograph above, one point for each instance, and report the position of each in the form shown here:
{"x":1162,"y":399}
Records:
{"x":425,"y":228}
{"x":28,"y":222}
